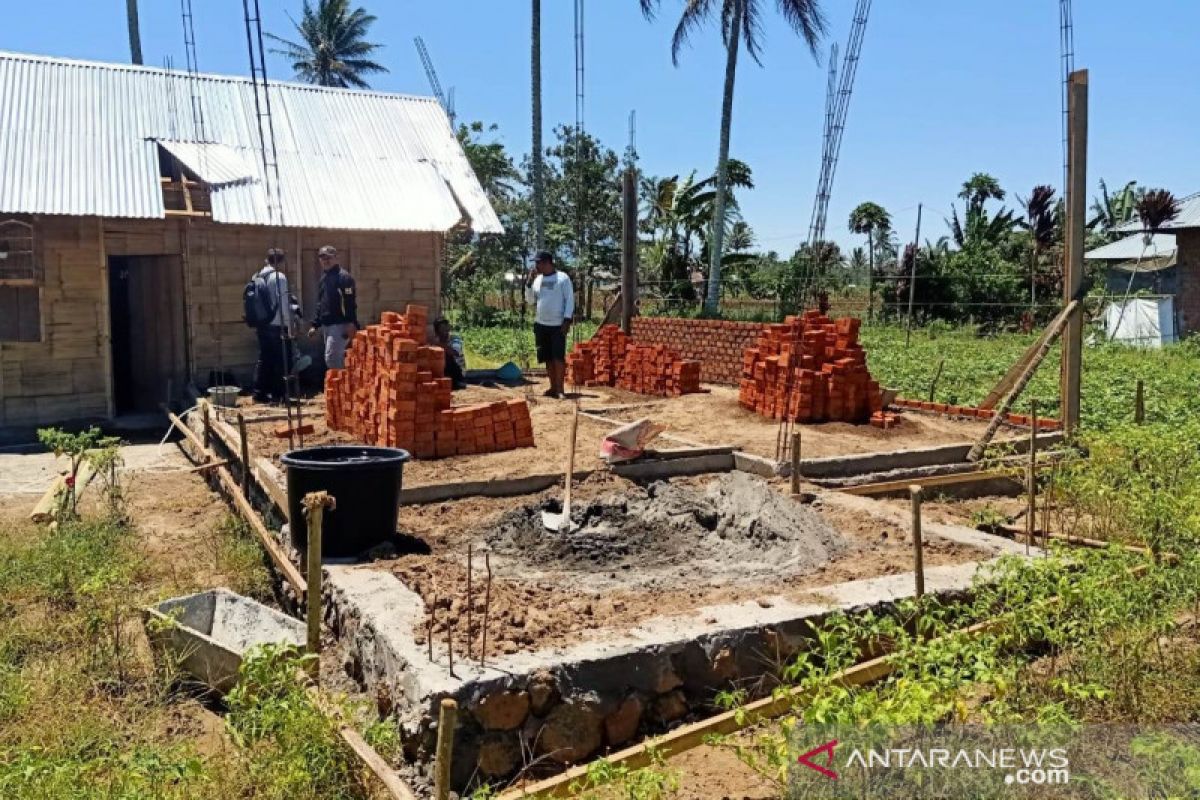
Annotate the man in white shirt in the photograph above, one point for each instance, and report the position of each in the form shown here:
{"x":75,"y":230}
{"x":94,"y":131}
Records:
{"x":550,"y":290}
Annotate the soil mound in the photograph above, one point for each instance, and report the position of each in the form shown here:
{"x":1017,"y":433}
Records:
{"x":736,"y":528}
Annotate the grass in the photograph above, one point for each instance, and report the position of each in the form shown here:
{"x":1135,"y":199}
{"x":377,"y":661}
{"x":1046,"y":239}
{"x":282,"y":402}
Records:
{"x":86,"y":713}
{"x":489,"y":347}
{"x":974,"y":364}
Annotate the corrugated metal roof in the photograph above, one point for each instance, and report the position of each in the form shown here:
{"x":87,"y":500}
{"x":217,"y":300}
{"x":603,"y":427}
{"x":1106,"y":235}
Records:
{"x":81,"y":138}
{"x":215,"y":164}
{"x":1189,"y":217}
{"x":1131,"y":248}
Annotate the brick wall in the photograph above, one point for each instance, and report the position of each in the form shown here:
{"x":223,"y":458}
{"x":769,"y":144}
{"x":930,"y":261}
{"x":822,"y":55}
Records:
{"x":718,"y":345}
{"x":1187,"y":301}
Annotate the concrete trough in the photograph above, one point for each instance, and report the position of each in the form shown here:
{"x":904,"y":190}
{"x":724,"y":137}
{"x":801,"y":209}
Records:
{"x":207,"y":634}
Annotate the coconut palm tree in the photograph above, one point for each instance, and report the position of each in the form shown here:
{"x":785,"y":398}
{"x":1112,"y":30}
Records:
{"x":869,"y":218}
{"x":538,"y":176}
{"x":135,"y":35}
{"x":980,"y":188}
{"x":741,"y":22}
{"x":333,"y":50}
{"x":1041,"y":220}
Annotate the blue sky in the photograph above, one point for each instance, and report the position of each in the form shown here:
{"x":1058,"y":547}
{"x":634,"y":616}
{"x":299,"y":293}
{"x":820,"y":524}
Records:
{"x":945,"y":88}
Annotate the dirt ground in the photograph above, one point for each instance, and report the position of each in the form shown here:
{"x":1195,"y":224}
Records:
{"x":715,"y":418}
{"x":551,"y":434}
{"x":553,"y":608}
{"x":706,"y":419}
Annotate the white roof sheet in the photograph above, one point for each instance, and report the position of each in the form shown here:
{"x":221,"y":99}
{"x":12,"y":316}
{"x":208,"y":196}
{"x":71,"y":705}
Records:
{"x":1189,"y":217}
{"x":215,"y":164}
{"x":1131,"y":248}
{"x":81,"y":138}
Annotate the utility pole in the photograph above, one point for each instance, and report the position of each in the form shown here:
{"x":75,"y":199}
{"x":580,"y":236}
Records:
{"x":1072,"y":346}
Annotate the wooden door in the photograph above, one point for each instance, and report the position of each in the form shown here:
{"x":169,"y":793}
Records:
{"x":148,"y":330}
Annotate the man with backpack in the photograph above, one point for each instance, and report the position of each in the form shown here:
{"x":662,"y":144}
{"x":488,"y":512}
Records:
{"x":270,"y":308}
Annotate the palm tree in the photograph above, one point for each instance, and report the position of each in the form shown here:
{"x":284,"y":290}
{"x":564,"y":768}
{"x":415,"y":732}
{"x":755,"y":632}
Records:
{"x":1155,"y":208}
{"x":1042,"y":223}
{"x":334,"y":50}
{"x":741,"y":21}
{"x":535,"y":66}
{"x":980,"y":188}
{"x":868,"y":218}
{"x":135,"y":35}
{"x":1112,"y":211}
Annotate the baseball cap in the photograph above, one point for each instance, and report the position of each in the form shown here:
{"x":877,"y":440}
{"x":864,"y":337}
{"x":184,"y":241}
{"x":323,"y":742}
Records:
{"x":327,"y":250}
{"x":544,"y":255}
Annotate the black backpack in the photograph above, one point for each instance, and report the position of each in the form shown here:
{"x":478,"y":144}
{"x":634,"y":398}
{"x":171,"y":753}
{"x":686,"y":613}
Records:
{"x":256,"y":303}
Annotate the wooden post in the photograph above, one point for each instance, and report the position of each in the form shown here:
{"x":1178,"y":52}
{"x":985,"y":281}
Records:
{"x":207,"y":425}
{"x":241,"y":421}
{"x":470,"y":600}
{"x":918,"y":545}
{"x":1139,"y":403}
{"x":314,"y":511}
{"x":796,"y":462}
{"x":912,"y":279}
{"x":1031,"y":476}
{"x":447,"y":718}
{"x":629,"y":249}
{"x":1072,"y":347}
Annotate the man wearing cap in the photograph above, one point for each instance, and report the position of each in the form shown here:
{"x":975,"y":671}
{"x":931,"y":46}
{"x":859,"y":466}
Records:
{"x":337,"y":308}
{"x":551,"y":291}
{"x":277,"y":309}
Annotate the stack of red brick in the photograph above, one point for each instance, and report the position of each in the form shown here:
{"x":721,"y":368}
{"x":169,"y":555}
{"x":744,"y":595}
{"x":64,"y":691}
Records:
{"x":811,"y":369}
{"x":392,"y":393}
{"x":612,"y":359}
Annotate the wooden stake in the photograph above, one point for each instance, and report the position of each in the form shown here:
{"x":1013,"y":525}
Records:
{"x":1139,"y":403}
{"x":207,"y":425}
{"x":429,"y":625}
{"x":487,"y":605}
{"x":566,"y":518}
{"x":936,"y":377}
{"x":470,"y":602}
{"x":1076,"y":222}
{"x":450,"y":643}
{"x":1031,"y":477}
{"x":314,"y":512}
{"x":918,"y":545}
{"x":796,"y":462}
{"x":447,"y":719}
{"x":245,"y":442}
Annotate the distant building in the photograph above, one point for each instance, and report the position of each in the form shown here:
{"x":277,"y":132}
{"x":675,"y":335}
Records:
{"x":127,"y":231}
{"x":1175,"y":276}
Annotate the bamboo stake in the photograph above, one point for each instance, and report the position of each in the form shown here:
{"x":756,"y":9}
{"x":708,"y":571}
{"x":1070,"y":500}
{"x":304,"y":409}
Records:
{"x":245,"y":443}
{"x":447,"y":718}
{"x":796,"y":462}
{"x":207,"y":425}
{"x":470,"y":601}
{"x":487,"y":605}
{"x":1139,"y":403}
{"x":915,"y":493}
{"x":1031,"y":478}
{"x":314,"y":511}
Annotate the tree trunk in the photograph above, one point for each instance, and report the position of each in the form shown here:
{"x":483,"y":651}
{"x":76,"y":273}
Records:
{"x":1033,"y":280}
{"x":535,"y":61}
{"x":135,"y":36}
{"x":870,"y":274}
{"x":713,"y":303}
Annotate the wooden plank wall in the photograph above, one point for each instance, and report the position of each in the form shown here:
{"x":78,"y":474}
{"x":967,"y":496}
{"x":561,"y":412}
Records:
{"x":65,"y":374}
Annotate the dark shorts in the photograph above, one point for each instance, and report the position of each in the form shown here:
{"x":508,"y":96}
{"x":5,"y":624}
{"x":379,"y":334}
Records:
{"x":551,"y":343}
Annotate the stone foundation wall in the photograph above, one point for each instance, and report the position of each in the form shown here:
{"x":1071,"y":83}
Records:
{"x":717,"y":344}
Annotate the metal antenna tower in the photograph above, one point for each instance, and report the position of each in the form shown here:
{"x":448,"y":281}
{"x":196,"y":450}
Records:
{"x":837,"y":106}
{"x":1066,"y":47}
{"x":270,"y":165}
{"x":435,"y":85}
{"x":579,"y":66}
{"x":189,"y":49}
{"x":580,"y":105}
{"x":631,"y":153}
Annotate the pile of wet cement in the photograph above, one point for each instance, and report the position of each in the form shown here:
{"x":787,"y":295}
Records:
{"x":736,"y":528}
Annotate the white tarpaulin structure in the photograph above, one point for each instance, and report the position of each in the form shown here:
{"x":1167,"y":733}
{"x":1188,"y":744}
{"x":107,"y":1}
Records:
{"x":1145,"y":321}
